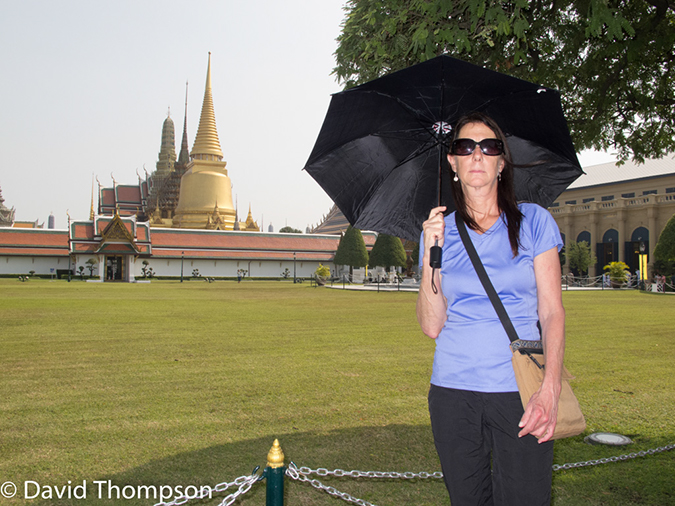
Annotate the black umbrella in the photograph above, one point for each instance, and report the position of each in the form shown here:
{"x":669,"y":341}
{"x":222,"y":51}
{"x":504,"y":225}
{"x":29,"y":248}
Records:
{"x":383,"y":144}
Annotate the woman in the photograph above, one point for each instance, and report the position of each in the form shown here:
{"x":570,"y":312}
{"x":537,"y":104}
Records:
{"x":491,"y":450}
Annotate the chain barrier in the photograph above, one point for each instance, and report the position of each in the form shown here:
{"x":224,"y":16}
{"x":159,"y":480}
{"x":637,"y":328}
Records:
{"x":620,"y":458}
{"x":301,"y":474}
{"x":243,"y":482}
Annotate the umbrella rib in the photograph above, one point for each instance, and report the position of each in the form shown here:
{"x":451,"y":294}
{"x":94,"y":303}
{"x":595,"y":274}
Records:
{"x":356,"y":177}
{"x":414,"y":113}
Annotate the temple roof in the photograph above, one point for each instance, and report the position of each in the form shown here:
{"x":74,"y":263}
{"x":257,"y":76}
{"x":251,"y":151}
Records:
{"x":87,"y":237}
{"x":33,"y":242}
{"x":110,"y":234}
{"x":332,"y":223}
{"x":610,"y":173}
{"x":127,"y":200}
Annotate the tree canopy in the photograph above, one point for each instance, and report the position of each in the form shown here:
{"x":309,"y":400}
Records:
{"x":387,"y":252}
{"x":289,"y":230}
{"x":664,"y":251}
{"x":580,"y":257}
{"x":351,"y":249}
{"x":611,"y":60}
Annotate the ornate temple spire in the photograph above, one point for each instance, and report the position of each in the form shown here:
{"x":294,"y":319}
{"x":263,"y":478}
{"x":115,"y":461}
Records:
{"x":206,"y":144}
{"x":6,"y":214}
{"x":184,"y":156}
{"x":236,"y":214}
{"x":91,"y":210}
{"x":167,"y":151}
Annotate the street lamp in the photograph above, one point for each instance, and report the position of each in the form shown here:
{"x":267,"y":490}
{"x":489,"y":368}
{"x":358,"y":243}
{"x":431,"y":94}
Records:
{"x":643,"y":263}
{"x":182,"y":255}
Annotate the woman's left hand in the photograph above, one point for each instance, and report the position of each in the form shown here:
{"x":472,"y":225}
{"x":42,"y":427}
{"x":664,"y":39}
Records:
{"x":541,"y":414}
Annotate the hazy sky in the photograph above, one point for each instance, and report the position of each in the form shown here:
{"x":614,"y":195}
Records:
{"x":85,"y":87}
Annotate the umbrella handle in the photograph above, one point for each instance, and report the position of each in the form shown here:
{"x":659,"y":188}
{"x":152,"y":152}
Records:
{"x":435,"y":254}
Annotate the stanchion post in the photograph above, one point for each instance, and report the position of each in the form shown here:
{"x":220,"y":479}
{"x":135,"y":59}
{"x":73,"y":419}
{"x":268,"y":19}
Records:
{"x":274,"y":472}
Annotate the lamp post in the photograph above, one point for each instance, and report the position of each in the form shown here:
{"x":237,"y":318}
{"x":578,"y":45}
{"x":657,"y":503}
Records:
{"x":182,"y":256}
{"x":643,"y":264}
{"x":294,"y":267}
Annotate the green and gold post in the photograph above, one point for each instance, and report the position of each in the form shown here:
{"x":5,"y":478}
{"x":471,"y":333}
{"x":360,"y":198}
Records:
{"x":274,"y":472}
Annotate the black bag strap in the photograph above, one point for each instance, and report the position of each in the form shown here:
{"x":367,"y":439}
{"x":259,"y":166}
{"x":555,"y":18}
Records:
{"x":485,"y":279}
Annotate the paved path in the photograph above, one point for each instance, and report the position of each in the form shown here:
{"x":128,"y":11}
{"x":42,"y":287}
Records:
{"x":407,"y":287}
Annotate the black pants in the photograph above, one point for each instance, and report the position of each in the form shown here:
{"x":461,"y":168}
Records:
{"x":484,"y":462}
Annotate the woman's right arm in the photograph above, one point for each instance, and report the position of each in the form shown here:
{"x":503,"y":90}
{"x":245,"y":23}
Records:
{"x":432,"y":307}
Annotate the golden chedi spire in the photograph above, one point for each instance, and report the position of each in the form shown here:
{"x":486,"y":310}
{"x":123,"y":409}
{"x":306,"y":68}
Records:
{"x":207,"y":143}
{"x":205,"y":184}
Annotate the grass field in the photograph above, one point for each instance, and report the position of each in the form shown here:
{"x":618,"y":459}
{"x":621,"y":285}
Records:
{"x":178,"y":384}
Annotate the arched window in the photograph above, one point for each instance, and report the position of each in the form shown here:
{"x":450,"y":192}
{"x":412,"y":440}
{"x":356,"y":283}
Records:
{"x":639,"y":244}
{"x":609,"y":252}
{"x":640,"y":234}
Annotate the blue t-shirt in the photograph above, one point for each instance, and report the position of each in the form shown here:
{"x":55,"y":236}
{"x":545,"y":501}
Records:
{"x":472,"y":350}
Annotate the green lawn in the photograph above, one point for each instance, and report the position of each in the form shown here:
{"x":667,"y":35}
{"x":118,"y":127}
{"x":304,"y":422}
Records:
{"x":178,"y":384}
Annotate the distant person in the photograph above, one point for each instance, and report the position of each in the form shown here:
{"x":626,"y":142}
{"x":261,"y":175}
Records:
{"x":491,"y":450}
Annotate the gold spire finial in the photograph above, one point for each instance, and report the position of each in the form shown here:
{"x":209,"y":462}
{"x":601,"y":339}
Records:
{"x":275,"y":457}
{"x":206,"y":141}
{"x":208,"y":73}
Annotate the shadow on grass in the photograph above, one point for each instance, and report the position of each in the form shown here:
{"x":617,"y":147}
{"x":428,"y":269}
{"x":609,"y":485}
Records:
{"x":390,"y":448}
{"x":398,"y":448}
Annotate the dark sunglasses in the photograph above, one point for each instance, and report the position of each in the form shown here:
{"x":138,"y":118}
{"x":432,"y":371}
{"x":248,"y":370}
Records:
{"x":464,"y":147}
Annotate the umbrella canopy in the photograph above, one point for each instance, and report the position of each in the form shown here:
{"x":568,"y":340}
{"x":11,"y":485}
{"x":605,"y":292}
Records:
{"x":382,"y":146}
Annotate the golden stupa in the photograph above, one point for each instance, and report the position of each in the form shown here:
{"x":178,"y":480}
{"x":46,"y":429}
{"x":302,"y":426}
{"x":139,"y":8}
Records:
{"x":205,"y":199}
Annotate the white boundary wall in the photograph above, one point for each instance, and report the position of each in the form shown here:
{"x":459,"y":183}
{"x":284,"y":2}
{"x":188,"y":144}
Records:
{"x":228,"y":268}
{"x":22,"y":265}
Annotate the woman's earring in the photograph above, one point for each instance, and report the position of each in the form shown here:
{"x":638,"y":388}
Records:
{"x":455,"y":179}
{"x":499,"y":177}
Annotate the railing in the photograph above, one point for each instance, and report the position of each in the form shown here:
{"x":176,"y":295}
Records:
{"x":387,"y":283}
{"x":570,"y":281}
{"x":601,"y":282}
{"x":275,"y":472}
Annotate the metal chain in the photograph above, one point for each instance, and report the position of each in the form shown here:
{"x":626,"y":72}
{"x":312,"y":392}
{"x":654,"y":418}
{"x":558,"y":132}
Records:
{"x":243,"y":482}
{"x":366,"y":474}
{"x":620,"y":458}
{"x":301,"y":473}
{"x":293,"y":472}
